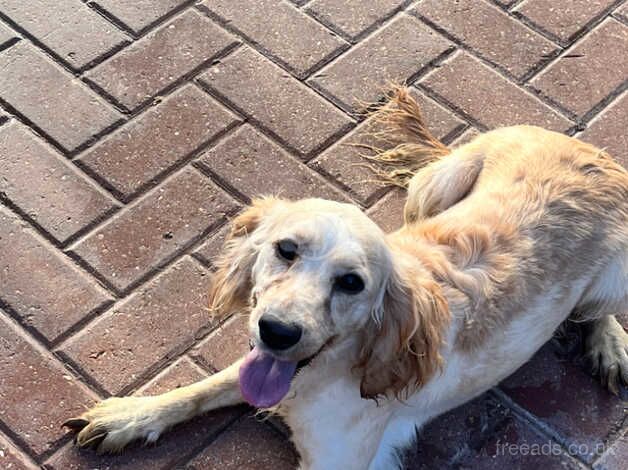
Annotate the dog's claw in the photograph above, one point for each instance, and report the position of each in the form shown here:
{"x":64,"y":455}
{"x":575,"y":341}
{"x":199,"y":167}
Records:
{"x":112,"y":424}
{"x":613,"y":378}
{"x":75,"y":424}
{"x":94,"y":441}
{"x":593,"y":364}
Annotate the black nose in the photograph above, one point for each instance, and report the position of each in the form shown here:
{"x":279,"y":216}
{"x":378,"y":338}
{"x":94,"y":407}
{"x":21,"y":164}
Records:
{"x":278,"y":335}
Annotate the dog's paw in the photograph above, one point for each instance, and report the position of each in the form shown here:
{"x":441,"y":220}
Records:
{"x":607,"y":353}
{"x":113,"y":423}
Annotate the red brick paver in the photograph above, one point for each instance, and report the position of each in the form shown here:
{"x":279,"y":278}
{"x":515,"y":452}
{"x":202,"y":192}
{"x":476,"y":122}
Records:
{"x":247,"y":446}
{"x":353,"y":18}
{"x":148,"y":233}
{"x":6,"y":35}
{"x":53,"y":391}
{"x":273,"y":98}
{"x":615,"y":456}
{"x":212,"y":246}
{"x":388,"y":211}
{"x":154,"y":62}
{"x":184,"y":122}
{"x":47,"y":292}
{"x":140,"y":331}
{"x":543,"y":388}
{"x":70,"y":201}
{"x":359,"y":75}
{"x":174,"y":449}
{"x":507,"y":43}
{"x":564,"y":18}
{"x":250,"y":162}
{"x":591,"y":70}
{"x":622,"y":12}
{"x":520,"y":451}
{"x":131,"y":131}
{"x":227,"y":344}
{"x":138,"y":14}
{"x":67,"y":110}
{"x":11,"y":458}
{"x":485,"y":96}
{"x":181,"y":373}
{"x":288,"y":35}
{"x":70,"y":29}
{"x":608,"y":129}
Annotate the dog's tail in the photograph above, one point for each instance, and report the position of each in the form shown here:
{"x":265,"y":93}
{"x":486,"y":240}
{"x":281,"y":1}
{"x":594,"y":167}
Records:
{"x":409,"y":145}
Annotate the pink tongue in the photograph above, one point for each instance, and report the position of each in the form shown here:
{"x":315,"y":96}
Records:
{"x":264,"y":380}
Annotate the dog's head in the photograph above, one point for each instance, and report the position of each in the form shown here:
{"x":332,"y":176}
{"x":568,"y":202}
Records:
{"x":315,"y":273}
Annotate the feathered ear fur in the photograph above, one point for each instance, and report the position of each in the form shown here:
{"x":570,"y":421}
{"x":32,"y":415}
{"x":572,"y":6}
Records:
{"x":231,"y":283}
{"x":401,"y":352}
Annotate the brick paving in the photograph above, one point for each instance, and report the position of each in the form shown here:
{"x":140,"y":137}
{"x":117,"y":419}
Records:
{"x":131,"y":131}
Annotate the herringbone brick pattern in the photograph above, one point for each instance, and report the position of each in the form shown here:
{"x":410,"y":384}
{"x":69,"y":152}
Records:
{"x":132,"y":130}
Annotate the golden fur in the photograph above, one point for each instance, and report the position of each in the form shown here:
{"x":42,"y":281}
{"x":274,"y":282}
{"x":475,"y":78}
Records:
{"x":231,"y":283}
{"x":557,"y":191}
{"x":504,"y":239}
{"x":402,"y":352}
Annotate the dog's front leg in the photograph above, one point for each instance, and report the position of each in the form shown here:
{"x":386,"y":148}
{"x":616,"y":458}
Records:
{"x":115,"y":422}
{"x":331,"y":431}
{"x":343,"y":453}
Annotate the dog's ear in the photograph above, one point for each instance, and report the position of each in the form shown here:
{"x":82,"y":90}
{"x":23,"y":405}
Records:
{"x":400,"y":350}
{"x":231,"y":283}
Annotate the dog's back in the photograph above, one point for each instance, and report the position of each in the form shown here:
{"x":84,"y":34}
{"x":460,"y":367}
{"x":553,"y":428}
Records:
{"x":566,"y":196}
{"x":531,"y":209}
{"x":558,"y":206}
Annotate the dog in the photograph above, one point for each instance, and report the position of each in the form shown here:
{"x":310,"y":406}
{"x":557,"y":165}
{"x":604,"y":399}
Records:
{"x":359,"y":337}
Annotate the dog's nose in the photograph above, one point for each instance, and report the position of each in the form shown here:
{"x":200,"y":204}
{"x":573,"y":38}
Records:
{"x":278,"y":335}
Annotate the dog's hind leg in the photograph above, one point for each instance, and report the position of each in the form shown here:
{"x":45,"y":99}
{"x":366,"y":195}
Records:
{"x":115,"y":422}
{"x":606,"y":346}
{"x":606,"y":342}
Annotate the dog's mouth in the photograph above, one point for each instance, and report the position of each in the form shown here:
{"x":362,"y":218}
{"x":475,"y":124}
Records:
{"x":265,"y":380}
{"x":303,"y":362}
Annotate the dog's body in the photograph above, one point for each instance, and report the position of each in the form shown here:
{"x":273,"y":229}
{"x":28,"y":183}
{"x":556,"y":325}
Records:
{"x":505,"y":238}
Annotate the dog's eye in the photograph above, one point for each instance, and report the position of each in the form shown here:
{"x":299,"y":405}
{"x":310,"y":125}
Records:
{"x":287,"y":249}
{"x":350,"y":283}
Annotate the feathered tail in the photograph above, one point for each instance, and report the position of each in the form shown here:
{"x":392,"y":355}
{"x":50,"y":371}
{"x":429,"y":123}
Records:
{"x":408,"y":143}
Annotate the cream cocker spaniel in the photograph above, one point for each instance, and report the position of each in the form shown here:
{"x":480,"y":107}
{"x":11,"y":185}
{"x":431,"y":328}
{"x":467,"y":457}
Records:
{"x":361,"y":337}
